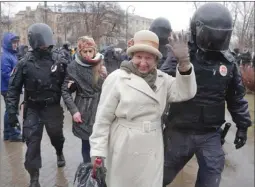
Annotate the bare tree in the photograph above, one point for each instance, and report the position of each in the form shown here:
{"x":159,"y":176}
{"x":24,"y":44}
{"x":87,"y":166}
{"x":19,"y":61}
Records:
{"x":99,"y":19}
{"x":5,"y":23}
{"x":245,"y":24}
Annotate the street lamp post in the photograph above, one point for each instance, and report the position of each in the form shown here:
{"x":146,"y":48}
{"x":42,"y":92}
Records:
{"x":253,"y":47}
{"x":45,"y":12}
{"x":0,"y":12}
{"x":1,"y":36}
{"x":127,"y":20}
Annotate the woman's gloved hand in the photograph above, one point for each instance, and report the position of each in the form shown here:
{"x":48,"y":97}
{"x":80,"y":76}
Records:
{"x":179,"y":47}
{"x":93,"y":161}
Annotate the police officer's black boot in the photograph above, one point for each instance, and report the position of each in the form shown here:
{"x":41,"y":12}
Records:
{"x":61,"y":160}
{"x":34,"y":178}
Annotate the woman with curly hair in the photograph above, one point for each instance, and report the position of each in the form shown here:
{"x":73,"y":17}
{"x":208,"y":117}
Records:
{"x":84,"y":76}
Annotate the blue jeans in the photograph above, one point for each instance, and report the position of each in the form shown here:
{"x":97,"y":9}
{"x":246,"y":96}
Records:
{"x":9,"y":132}
{"x":85,"y":150}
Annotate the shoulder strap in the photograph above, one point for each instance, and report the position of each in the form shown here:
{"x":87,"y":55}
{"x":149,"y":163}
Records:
{"x":228,"y":56}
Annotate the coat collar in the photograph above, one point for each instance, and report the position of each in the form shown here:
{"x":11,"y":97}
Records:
{"x":139,"y":83}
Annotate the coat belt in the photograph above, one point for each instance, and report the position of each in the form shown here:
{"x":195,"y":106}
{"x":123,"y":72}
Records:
{"x":145,"y":126}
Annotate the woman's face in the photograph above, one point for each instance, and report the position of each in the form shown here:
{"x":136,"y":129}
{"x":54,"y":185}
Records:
{"x":144,"y":61}
{"x":15,"y":44}
{"x":88,"y":53}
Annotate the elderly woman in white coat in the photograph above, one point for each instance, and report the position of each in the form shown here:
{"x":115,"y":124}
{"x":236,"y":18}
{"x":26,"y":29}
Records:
{"x":127,"y":132}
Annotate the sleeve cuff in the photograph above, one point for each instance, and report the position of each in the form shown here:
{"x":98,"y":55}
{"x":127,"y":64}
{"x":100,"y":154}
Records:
{"x":97,"y":153}
{"x":186,"y":72}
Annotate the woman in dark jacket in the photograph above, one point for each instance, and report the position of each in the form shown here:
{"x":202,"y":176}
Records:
{"x":84,"y":76}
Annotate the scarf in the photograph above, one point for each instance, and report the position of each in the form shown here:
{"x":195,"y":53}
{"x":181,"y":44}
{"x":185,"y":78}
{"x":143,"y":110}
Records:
{"x":150,"y":77}
{"x":85,"y":63}
{"x":81,"y":61}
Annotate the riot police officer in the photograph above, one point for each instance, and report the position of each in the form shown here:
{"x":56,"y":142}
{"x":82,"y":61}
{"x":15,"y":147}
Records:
{"x":66,"y":51}
{"x":237,"y":55}
{"x":162,"y":28}
{"x":194,"y":126}
{"x":42,"y":73}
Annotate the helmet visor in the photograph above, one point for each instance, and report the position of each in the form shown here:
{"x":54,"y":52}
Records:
{"x":211,"y":39}
{"x":44,"y":40}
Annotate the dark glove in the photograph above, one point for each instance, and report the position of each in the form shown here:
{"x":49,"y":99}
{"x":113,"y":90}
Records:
{"x":13,"y":120}
{"x":241,"y":137}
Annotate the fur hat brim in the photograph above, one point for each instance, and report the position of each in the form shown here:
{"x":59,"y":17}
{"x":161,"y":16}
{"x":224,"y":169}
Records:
{"x":145,"y":48}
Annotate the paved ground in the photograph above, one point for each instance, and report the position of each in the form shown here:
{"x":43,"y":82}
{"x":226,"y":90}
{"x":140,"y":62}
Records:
{"x":239,"y":169}
{"x":13,"y":174}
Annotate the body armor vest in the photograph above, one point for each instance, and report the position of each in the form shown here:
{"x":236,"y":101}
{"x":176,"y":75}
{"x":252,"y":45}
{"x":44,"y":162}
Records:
{"x":43,"y":78}
{"x":207,"y":109}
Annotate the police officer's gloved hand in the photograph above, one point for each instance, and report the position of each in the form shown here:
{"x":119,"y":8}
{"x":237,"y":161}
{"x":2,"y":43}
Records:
{"x":13,"y":120}
{"x":241,"y":137}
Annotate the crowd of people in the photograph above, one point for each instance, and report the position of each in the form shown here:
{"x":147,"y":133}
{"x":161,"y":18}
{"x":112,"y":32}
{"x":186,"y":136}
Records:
{"x":245,"y":58}
{"x":144,"y":113}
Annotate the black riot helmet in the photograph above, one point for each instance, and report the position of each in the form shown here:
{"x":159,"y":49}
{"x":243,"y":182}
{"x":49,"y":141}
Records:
{"x":211,"y":27}
{"x":67,"y":45}
{"x":40,"y":35}
{"x":162,"y":28}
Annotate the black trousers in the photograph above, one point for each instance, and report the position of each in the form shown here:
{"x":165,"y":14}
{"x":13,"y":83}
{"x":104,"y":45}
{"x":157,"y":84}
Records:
{"x":181,"y":147}
{"x":52,"y":117}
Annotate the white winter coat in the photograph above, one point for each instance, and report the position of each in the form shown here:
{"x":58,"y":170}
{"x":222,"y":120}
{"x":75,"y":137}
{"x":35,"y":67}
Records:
{"x":127,"y":129}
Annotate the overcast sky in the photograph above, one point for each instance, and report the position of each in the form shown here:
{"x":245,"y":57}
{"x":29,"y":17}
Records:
{"x":178,"y":13}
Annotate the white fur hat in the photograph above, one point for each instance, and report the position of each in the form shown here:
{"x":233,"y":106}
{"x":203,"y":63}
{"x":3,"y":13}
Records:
{"x":146,"y":41}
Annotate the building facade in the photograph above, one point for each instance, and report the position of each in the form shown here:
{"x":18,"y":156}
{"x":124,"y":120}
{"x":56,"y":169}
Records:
{"x":68,"y":24}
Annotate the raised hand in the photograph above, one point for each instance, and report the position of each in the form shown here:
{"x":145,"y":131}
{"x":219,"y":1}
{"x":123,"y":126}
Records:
{"x":178,"y":44}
